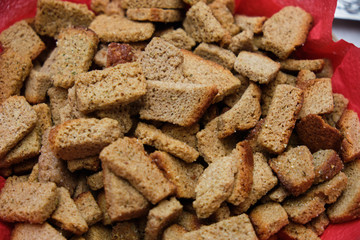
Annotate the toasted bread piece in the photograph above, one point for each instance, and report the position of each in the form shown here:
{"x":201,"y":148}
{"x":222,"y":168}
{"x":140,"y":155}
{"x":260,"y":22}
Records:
{"x":99,"y":6}
{"x":184,"y":134}
{"x":238,"y":227}
{"x":118,"y":53}
{"x":296,"y":231}
{"x":122,"y":114}
{"x":31,"y":202}
{"x":319,"y":223}
{"x":34,"y":175}
{"x":152,"y":4}
{"x":88,"y":208}
{"x":225,"y":16}
{"x":53,"y":15}
{"x":201,"y":24}
{"x":98,"y":232}
{"x":95,"y":181}
{"x":183,"y":175}
{"x":101,"y":201}
{"x":177,"y":103}
{"x":22,"y":39}
{"x":155,"y":15}
{"x":275,"y":132}
{"x":26,"y":231}
{"x":232,"y":99}
{"x":17,"y":119}
{"x":126,"y":230}
{"x":189,"y":221}
{"x":242,"y":41}
{"x":349,"y":126}
{"x":268,"y":219}
{"x":314,"y":65}
{"x":36,"y":86}
{"x":303,"y":77}
{"x":161,"y":216}
{"x":327,"y":164}
{"x":173,"y":232}
{"x":92,"y":135}
{"x":100,"y":89}
{"x":222,"y":213}
{"x":263,"y":181}
{"x":81,"y":186}
{"x":340,"y":105}
{"x":58,"y":99}
{"x":247,"y":64}
{"x":286,"y":30}
{"x":123,"y":201}
{"x":152,"y":184}
{"x":14,"y":69}
{"x":243,"y":115}
{"x":327,"y":71}
{"x":150,"y":135}
{"x":254,"y":24}
{"x":116,"y":28}
{"x":89,"y":163}
{"x":216,"y":54}
{"x":179,"y":38}
{"x":215,"y":185}
{"x":278,"y":194}
{"x":318,"y":97}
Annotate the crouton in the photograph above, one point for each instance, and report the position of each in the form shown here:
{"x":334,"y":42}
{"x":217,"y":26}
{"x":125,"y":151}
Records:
{"x":319,"y":223}
{"x":88,"y":208}
{"x":340,"y":105}
{"x":297,"y":231}
{"x":58,"y":99}
{"x":173,"y":232}
{"x":101,"y":201}
{"x":118,"y":53}
{"x":28,"y":231}
{"x":152,"y":4}
{"x":327,"y":164}
{"x":225,"y":17}
{"x":152,"y":184}
{"x":179,"y":38}
{"x":184,"y":134}
{"x":242,"y":41}
{"x":98,"y":232}
{"x":222,"y":213}
{"x":155,"y":15}
{"x":89,"y":163}
{"x":253,"y":24}
{"x":303,"y":77}
{"x":122,"y":114}
{"x":126,"y":230}
{"x":95,"y":181}
{"x":216,"y":54}
{"x":278,"y":194}
{"x":314,"y":65}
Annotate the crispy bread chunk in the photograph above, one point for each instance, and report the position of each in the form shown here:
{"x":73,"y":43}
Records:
{"x":155,"y":15}
{"x":297,"y":231}
{"x":28,"y":231}
{"x":216,"y":54}
{"x":314,"y":65}
{"x":88,"y":208}
{"x":152,"y":4}
{"x":179,"y":38}
{"x":327,"y":164}
{"x":340,"y":105}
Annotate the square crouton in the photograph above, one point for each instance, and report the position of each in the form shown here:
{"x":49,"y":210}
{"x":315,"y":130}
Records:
{"x":53,"y":15}
{"x":254,"y":24}
{"x":316,"y":134}
{"x":201,"y":24}
{"x":155,"y":15}
{"x":216,"y":54}
{"x":268,"y":219}
{"x":327,"y":164}
{"x":314,"y":65}
{"x":92,"y":135}
{"x":36,"y":86}
{"x":88,"y":208}
{"x":184,"y":134}
{"x":152,"y":4}
{"x":286,"y":30}
{"x":179,"y":38}
{"x":152,"y":183}
{"x":95,"y":181}
{"x":14,"y":69}
{"x":276,"y":131}
{"x":22,"y":39}
{"x":247,"y":64}
{"x":126,"y":230}
{"x":89,"y":163}
{"x":58,"y":99}
{"x":242,"y":41}
{"x":278,"y":194}
{"x":31,"y":202}
{"x":161,"y":216}
{"x":349,"y":126}
{"x":183,"y":175}
{"x":100,"y":89}
{"x":295,"y":169}
{"x":116,"y":28}
{"x":340,"y":105}
{"x":225,"y":16}
{"x":173,"y":232}
{"x":27,"y":231}
{"x":123,"y":201}
{"x":67,"y":215}
{"x":319,"y":223}
{"x":297,"y":231}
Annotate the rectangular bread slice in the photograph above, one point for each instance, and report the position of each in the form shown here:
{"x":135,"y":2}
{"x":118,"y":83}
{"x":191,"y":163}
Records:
{"x":155,"y":15}
{"x":28,"y":231}
{"x":327,"y":164}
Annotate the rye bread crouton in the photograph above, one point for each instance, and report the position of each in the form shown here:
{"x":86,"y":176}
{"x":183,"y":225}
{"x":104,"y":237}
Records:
{"x":319,"y":223}
{"x":215,"y":185}
{"x":286,"y":30}
{"x":155,"y":15}
{"x":125,"y":156}
{"x":177,"y":103}
{"x":31,"y":202}
{"x":184,"y":134}
{"x":278,"y":194}
{"x":297,"y":231}
{"x":232,"y":99}
{"x":201,"y":24}
{"x":14,"y":69}
{"x":225,"y":16}
{"x":126,"y":230}
{"x":183,"y":175}
{"x":34,"y":175}
{"x":122,"y":114}
{"x":116,"y":28}
{"x":110,"y":87}
{"x":101,"y":201}
{"x":303,"y":77}
{"x":173,"y":232}
{"x":152,"y":4}
{"x":152,"y":136}
{"x":123,"y":201}
{"x":22,"y":39}
{"x":88,"y":163}
{"x":222,"y":213}
{"x":95,"y":181}
{"x":349,"y":126}
{"x":277,"y":128}
{"x":216,"y":54}
{"x":92,"y":135}
{"x":189,"y":221}
{"x":268,"y":219}
{"x":26,"y":231}
{"x":327,"y":164}
{"x":58,"y":99}
{"x":254,"y":24}
{"x":161,"y":216}
{"x":67,"y":215}
{"x":98,"y":232}
{"x":242,"y":41}
{"x":247,"y":64}
{"x":340,"y":105}
{"x":17,"y":119}
{"x":88,"y":208}
{"x":53,"y":15}
{"x":316,"y":134}
{"x":179,"y":38}
{"x":36,"y":86}
{"x":314,"y":65}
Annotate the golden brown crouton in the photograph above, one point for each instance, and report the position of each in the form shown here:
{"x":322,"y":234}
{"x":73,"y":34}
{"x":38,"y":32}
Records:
{"x":327,"y":164}
{"x":314,"y":65}
{"x":88,"y":208}
{"x":216,"y":54}
{"x":179,"y":38}
{"x":95,"y":181}
{"x":27,"y":231}
{"x":155,"y":15}
{"x":340,"y":105}
{"x":253,"y":24}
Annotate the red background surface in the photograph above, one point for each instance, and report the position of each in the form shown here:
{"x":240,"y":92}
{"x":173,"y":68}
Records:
{"x":345,"y":58}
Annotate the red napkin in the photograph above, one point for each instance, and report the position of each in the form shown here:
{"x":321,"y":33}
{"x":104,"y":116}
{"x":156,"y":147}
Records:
{"x":345,"y":58}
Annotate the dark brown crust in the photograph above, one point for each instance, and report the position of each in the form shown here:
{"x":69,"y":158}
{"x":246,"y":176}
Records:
{"x":118,"y":53}
{"x":316,"y":134}
{"x":328,"y":169}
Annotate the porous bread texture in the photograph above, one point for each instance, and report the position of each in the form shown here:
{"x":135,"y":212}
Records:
{"x":28,"y":231}
{"x":319,"y":223}
{"x":173,"y":232}
{"x":184,"y":134}
{"x":201,"y":24}
{"x":125,"y":230}
{"x":161,"y":216}
{"x":189,"y":221}
{"x":97,"y":232}
{"x":242,"y":41}
{"x":297,"y":231}
{"x":340,"y":105}
{"x":286,"y":30}
{"x":314,"y":65}
{"x":327,"y":164}
{"x":31,"y":202}
{"x":95,"y":181}
{"x":253,"y":24}
{"x":14,"y":69}
{"x":152,"y":4}
{"x":116,"y":28}
{"x":177,"y":103}
{"x":88,"y":208}
{"x":88,"y":163}
{"x":225,"y":17}
{"x":101,"y":201}
{"x":179,"y":38}
{"x":123,"y":202}
{"x":125,"y":157}
{"x":53,"y":15}
{"x":36,"y":86}
{"x":216,"y":54}
{"x":91,"y":136}
{"x":122,"y":114}
{"x":22,"y":39}
{"x":58,"y":99}
{"x":155,"y":15}
{"x":111,"y":87}
{"x":17,"y":119}
{"x":277,"y":128}
{"x":247,"y":64}
{"x":222,"y":213}
{"x":152,"y":136}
